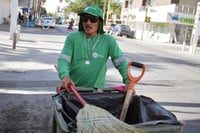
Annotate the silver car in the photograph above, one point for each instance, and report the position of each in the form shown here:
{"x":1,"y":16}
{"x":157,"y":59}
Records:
{"x":48,"y":22}
{"x":123,"y":30}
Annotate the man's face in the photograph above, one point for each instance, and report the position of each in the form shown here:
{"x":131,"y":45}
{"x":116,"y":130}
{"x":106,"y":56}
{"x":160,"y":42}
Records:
{"x":90,"y":24}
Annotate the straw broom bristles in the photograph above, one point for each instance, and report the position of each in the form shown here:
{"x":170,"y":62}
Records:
{"x":92,"y":119}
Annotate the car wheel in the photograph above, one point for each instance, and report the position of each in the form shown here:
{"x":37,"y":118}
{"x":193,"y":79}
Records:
{"x":45,"y":27}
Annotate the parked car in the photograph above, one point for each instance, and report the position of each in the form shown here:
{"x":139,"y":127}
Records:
{"x":38,"y":22}
{"x":60,"y":20}
{"x":123,"y":30}
{"x":108,"y":27}
{"x":48,"y":22}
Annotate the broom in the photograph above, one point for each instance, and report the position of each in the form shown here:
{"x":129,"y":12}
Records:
{"x":92,"y":119}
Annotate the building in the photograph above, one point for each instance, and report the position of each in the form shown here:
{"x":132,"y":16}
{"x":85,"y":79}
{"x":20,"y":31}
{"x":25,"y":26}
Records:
{"x":5,"y":11}
{"x":160,"y":20}
{"x":11,"y":11}
{"x":5,"y":8}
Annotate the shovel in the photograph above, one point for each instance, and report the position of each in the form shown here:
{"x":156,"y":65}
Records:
{"x":130,"y":89}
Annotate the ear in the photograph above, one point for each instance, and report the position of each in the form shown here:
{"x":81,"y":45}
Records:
{"x":100,"y":25}
{"x":100,"y":22}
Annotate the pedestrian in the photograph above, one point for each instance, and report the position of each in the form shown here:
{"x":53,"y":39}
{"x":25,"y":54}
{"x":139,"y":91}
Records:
{"x":71,"y":23}
{"x":83,"y":59}
{"x":20,"y":18}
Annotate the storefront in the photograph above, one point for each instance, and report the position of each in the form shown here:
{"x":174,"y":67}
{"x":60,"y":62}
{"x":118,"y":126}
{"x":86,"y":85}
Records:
{"x":175,"y":28}
{"x":164,"y":25}
{"x":183,"y":26}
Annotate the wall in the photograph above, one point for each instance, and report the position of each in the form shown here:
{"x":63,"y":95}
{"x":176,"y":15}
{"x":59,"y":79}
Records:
{"x":4,"y":9}
{"x":160,"y":2}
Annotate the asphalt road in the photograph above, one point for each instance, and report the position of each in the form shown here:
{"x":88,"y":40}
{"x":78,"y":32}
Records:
{"x":27,"y":78}
{"x":172,"y":78}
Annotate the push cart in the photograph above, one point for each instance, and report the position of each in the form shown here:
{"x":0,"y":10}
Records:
{"x":142,"y":112}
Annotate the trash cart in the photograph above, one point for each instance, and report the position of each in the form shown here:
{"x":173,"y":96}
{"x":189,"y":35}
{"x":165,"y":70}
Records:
{"x":142,"y":112}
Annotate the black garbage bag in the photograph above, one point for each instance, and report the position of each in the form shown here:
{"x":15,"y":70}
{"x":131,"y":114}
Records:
{"x":142,"y":110}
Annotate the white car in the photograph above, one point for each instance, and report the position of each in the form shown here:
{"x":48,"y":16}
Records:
{"x":48,"y":22}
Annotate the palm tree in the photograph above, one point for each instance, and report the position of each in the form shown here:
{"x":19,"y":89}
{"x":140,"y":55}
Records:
{"x":38,"y":6}
{"x":60,"y":1}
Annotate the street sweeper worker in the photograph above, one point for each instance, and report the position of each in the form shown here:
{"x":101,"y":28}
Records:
{"x":83,"y":59}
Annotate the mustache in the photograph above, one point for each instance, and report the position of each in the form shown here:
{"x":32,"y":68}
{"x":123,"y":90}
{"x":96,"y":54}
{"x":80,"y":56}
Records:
{"x":88,"y":26}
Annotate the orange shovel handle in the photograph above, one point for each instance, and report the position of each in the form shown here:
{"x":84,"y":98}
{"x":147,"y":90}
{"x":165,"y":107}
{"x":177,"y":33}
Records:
{"x":131,"y":78}
{"x":131,"y":90}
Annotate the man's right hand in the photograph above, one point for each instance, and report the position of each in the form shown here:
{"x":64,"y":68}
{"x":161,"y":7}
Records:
{"x":62,"y":86}
{"x":65,"y":81}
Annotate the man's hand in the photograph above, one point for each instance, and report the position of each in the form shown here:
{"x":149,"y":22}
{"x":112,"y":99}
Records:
{"x":62,"y":86}
{"x":65,"y":81}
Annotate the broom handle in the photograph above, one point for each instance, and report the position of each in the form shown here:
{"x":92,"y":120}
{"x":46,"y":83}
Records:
{"x":73,"y":88}
{"x":131,"y":90}
{"x":78,"y":96}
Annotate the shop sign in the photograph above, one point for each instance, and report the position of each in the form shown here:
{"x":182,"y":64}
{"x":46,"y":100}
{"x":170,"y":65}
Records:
{"x":181,"y":18}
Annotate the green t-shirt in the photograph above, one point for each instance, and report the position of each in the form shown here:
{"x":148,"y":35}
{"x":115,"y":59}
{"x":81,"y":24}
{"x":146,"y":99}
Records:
{"x":85,"y":60}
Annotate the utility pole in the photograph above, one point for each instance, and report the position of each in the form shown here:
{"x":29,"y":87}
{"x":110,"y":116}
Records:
{"x":13,"y":18}
{"x":144,"y":23}
{"x":195,"y":31}
{"x":104,"y":11}
{"x":108,"y":12}
{"x":146,"y":19}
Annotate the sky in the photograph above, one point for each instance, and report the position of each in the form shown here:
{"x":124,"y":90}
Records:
{"x":51,"y":5}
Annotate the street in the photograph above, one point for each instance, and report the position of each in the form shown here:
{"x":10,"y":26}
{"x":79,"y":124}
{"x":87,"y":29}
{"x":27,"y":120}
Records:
{"x":28,"y":78}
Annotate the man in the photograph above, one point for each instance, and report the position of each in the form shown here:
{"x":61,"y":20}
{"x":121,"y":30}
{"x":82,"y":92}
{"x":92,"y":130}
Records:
{"x":83,"y":60}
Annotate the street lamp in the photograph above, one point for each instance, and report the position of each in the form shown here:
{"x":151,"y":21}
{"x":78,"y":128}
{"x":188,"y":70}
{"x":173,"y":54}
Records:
{"x":144,"y":23}
{"x":146,"y":19}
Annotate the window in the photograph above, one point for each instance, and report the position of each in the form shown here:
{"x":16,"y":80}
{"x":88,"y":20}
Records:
{"x":144,"y":2}
{"x":175,"y":1}
{"x":126,"y":4}
{"x":131,"y":2}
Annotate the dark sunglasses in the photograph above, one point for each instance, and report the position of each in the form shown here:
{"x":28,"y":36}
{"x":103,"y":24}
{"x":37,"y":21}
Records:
{"x":92,"y":19}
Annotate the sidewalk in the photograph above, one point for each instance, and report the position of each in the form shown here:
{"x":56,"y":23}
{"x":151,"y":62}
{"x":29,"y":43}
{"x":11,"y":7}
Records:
{"x":32,"y":62}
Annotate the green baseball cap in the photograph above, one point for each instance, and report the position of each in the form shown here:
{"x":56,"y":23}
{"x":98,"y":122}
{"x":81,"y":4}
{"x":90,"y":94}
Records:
{"x":95,"y":11}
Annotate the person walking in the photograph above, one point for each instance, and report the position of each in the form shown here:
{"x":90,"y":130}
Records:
{"x":83,"y":59}
{"x":71,"y":23}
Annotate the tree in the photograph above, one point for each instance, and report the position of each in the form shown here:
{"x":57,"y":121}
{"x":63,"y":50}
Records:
{"x":60,"y":1}
{"x":115,"y":9}
{"x":78,"y":5}
{"x":39,"y":7}
{"x":43,"y":11}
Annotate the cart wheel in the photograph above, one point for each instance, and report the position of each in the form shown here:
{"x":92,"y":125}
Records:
{"x":54,"y":126}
